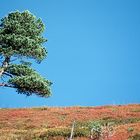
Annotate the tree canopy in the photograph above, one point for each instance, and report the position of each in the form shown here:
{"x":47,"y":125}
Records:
{"x":20,"y":41}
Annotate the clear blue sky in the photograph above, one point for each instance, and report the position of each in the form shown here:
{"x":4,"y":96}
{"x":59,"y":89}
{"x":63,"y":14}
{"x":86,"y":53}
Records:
{"x":94,"y":52}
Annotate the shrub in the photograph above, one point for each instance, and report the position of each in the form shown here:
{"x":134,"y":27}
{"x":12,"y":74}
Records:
{"x":130,"y":129}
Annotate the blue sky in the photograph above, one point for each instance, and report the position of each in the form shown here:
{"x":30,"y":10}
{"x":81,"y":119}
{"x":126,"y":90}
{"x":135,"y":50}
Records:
{"x":93,"y":52}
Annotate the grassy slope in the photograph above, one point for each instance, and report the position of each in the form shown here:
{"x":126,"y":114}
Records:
{"x":55,"y":123}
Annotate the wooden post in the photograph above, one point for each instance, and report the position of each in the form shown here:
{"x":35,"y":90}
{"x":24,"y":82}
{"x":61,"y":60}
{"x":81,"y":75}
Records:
{"x":72,"y":131}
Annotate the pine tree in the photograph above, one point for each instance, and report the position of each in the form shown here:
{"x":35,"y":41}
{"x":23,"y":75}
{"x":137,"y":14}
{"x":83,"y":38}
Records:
{"x":20,"y":41}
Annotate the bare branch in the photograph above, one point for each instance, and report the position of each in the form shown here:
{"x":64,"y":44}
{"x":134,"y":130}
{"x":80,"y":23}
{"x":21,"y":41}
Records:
{"x":6,"y":85}
{"x":2,"y":78}
{"x":8,"y":74}
{"x":14,"y":60}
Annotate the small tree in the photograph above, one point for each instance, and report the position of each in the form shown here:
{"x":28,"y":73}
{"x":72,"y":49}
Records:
{"x":21,"y":40}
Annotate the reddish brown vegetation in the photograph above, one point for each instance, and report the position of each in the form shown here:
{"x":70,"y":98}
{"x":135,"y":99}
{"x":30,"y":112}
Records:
{"x":56,"y":117}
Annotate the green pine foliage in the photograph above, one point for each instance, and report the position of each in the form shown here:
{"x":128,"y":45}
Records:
{"x":20,"y":35}
{"x":20,"y":38}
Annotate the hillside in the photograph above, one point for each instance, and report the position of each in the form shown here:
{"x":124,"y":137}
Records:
{"x":54,"y":123}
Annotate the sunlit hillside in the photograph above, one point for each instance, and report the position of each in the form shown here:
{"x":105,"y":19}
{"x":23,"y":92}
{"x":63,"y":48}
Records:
{"x":55,"y":123}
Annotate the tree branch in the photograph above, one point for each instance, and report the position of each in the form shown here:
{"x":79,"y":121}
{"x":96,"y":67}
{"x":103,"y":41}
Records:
{"x":8,"y":74}
{"x":6,"y":85}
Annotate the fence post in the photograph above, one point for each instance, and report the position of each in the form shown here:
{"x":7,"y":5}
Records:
{"x":72,"y":131}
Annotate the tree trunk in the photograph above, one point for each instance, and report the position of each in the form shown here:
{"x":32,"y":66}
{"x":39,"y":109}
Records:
{"x":1,"y":71}
{"x":4,"y":65}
